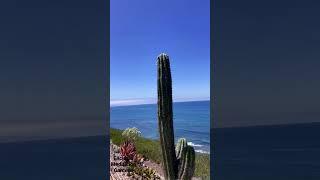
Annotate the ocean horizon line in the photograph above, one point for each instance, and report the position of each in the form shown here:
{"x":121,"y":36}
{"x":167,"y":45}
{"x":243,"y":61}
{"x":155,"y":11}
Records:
{"x":133,"y":102}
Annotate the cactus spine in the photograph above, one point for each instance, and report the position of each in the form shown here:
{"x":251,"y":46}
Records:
{"x":178,"y":163}
{"x":165,"y":117}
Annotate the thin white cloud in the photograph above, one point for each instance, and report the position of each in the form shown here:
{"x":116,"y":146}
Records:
{"x":128,"y":102}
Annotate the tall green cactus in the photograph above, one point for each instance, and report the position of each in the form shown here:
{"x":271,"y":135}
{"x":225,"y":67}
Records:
{"x":165,"y":117}
{"x":178,"y":163}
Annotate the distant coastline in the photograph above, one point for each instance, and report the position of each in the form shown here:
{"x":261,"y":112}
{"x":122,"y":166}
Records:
{"x":134,"y":102}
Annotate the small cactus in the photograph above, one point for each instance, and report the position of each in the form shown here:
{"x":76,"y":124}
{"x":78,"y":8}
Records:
{"x":187,"y":163}
{"x":182,"y":143}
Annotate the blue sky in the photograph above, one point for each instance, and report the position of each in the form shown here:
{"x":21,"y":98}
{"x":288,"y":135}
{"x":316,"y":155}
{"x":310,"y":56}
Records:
{"x":141,"y":30}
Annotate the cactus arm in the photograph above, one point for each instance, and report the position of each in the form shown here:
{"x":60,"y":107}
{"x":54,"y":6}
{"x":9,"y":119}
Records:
{"x":182,"y":143}
{"x":187,"y":163}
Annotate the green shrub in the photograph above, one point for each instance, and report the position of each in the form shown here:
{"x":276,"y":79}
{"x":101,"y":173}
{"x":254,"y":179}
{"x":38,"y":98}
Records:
{"x":131,"y":134}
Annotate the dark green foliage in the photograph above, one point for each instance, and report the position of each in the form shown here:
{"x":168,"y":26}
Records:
{"x":202,"y":166}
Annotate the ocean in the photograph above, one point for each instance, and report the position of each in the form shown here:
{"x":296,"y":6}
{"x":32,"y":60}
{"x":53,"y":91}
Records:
{"x":191,"y":120}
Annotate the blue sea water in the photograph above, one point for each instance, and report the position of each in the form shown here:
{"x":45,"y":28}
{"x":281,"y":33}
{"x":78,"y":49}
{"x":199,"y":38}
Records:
{"x":191,"y":120}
